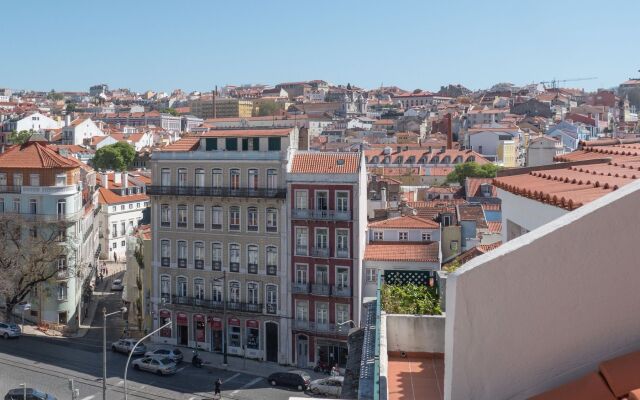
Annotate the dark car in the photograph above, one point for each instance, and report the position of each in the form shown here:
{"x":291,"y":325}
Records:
{"x":296,"y":379}
{"x":32,"y":394}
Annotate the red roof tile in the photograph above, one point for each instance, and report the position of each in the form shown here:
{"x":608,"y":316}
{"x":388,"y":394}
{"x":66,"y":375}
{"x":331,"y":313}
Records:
{"x":325,"y":163}
{"x":589,"y":387}
{"x":35,"y":155}
{"x":247,"y":132}
{"x":109,"y":197}
{"x":494,"y":226}
{"x":186,"y":143}
{"x":406,"y":222}
{"x":402,"y":251}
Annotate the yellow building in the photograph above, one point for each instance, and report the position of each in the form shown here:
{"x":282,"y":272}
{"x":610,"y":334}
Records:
{"x":507,"y":154}
{"x":225,"y":108}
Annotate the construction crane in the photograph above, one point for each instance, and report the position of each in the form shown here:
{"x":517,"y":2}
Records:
{"x":554,"y":83}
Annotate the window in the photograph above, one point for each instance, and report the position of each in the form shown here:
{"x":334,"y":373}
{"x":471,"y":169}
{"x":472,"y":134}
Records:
{"x":426,"y":236}
{"x":253,"y":179}
{"x":182,"y":216}
{"x":211,"y":144}
{"x":234,"y":179}
{"x":234,"y":332}
{"x":252,"y":259}
{"x":454,"y":245}
{"x":272,"y":260}
{"x":274,"y":144}
{"x":252,"y":293}
{"x":272,"y":179}
{"x":198,"y":255}
{"x":378,"y":235}
{"x":271,"y":298}
{"x":231,"y":144}
{"x":165,"y":253}
{"x":302,"y":237}
{"x":33,"y":231}
{"x":302,"y":201}
{"x":181,"y":286}
{"x":198,"y":288}
{"x":137,"y":205}
{"x":342,"y":277}
{"x":342,"y":201}
{"x":234,"y":292}
{"x":1,"y":205}
{"x":272,"y":220}
{"x":322,"y":275}
{"x":252,"y":219}
{"x":342,"y":243}
{"x":403,"y":235}
{"x":198,"y":217}
{"x":165,"y":291}
{"x":16,"y":206}
{"x":216,"y":292}
{"x":322,"y":313}
{"x":114,"y":230}
{"x":322,"y":242}
{"x":165,"y":177}
{"x":234,"y":257}
{"x":62,"y":208}
{"x":199,"y":178}
{"x":216,"y":256}
{"x":234,"y":218}
{"x":3,"y":179}
{"x":322,"y":200}
{"x":130,"y":206}
{"x":62,"y":291}
{"x":33,"y":206}
{"x":182,"y":177}
{"x":165,"y":215}
{"x":342,"y":313}
{"x":371,"y":275}
{"x":182,"y":254}
{"x":216,"y":178}
{"x":216,"y":217}
{"x":123,"y":228}
{"x":301,"y":274}
{"x":122,"y":243}
{"x":17,"y":179}
{"x":122,"y":207}
{"x":34,"y":179}
{"x":302,"y":311}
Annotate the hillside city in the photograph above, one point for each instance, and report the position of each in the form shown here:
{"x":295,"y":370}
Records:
{"x":320,"y":239}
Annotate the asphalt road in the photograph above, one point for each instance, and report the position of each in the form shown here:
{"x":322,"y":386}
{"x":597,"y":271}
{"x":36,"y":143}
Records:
{"x":48,"y":363}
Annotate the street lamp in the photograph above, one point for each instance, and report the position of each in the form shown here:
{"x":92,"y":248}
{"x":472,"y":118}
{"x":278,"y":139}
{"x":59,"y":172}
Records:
{"x":126,"y":367}
{"x":24,"y":386}
{"x":224,"y":316}
{"x":104,"y":347}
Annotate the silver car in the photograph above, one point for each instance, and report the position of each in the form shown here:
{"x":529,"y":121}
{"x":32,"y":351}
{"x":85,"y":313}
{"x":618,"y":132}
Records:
{"x":126,"y":345}
{"x":174,"y":354}
{"x":9,"y":330}
{"x":327,"y":386}
{"x":157,"y":365}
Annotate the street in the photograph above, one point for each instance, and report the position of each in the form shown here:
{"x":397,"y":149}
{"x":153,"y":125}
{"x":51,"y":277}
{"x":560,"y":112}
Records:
{"x":47,"y":363}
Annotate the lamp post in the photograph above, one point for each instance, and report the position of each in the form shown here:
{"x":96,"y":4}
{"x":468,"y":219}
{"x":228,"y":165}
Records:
{"x":126,"y":367}
{"x":24,"y":392}
{"x":224,"y":316}
{"x":104,"y":347}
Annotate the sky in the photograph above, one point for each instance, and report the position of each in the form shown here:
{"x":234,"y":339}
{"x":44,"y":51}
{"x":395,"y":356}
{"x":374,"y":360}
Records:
{"x":195,"y":44}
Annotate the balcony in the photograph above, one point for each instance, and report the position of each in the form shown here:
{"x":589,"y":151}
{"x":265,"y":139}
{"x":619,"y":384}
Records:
{"x":320,"y":251}
{"x":300,"y":288}
{"x":342,"y":253}
{"x":10,"y":189}
{"x":55,"y":190}
{"x":324,"y":327}
{"x":301,"y":250}
{"x":272,"y":270}
{"x":321,"y":215}
{"x":252,"y":228}
{"x":216,"y":265}
{"x":234,"y":267}
{"x":199,"y":264}
{"x":272,"y":308}
{"x":252,"y":268}
{"x":165,"y":224}
{"x":165,"y":261}
{"x":341,"y":291}
{"x":219,"y":305}
{"x":182,"y":224}
{"x":69,"y":217}
{"x":320,"y":289}
{"x":272,"y":229}
{"x":302,"y":325}
{"x":155,"y":190}
{"x":244,"y":307}
{"x":182,"y":263}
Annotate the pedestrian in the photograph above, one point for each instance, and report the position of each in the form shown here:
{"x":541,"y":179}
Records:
{"x":217,"y":388}
{"x":334,"y":370}
{"x":115,"y":257}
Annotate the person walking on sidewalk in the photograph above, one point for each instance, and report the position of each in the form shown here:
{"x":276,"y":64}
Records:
{"x":216,"y":391}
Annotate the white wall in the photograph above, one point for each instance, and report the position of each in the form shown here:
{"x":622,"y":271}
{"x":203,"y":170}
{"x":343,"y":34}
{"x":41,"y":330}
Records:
{"x":546,"y":307}
{"x":415,"y":333}
{"x":525,"y":212}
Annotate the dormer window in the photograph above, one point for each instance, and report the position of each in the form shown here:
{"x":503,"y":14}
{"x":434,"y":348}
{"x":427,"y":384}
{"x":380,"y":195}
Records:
{"x":61,"y":180}
{"x":485,"y":189}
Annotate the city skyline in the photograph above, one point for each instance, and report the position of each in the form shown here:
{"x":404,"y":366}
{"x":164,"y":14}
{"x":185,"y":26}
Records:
{"x":420,"y":46}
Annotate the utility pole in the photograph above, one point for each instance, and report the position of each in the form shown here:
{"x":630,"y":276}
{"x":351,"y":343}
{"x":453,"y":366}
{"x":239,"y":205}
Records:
{"x":224,"y":316}
{"x":213,"y":99}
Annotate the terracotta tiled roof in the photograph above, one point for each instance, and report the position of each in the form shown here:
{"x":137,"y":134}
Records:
{"x":494,"y":226}
{"x":325,"y":163}
{"x":402,"y":251}
{"x":186,"y":143}
{"x":106,"y":196}
{"x":422,"y":156}
{"x":35,"y":155}
{"x":247,"y":132}
{"x":492,"y":206}
{"x":406,"y":222}
{"x":472,"y":187}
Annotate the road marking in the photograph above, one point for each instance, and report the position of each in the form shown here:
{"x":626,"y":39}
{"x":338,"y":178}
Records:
{"x":120,"y":383}
{"x":253,"y":382}
{"x":180,"y":369}
{"x":231,"y":378}
{"x":89,"y":397}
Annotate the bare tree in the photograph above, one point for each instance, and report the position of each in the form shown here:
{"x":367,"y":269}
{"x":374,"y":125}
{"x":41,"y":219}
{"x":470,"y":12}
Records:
{"x":29,"y":254}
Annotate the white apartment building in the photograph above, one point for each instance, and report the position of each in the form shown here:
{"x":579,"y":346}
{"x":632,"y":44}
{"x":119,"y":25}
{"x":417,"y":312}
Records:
{"x":80,"y":131}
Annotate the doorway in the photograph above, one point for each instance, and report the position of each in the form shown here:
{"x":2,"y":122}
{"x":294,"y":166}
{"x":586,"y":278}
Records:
{"x":272,"y":341}
{"x":302,"y":351}
{"x":183,"y":335}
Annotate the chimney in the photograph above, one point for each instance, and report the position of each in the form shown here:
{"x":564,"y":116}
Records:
{"x":116,"y":178}
{"x":125,"y":179}
{"x":67,"y":120}
{"x":105,"y":180}
{"x":449,"y":133}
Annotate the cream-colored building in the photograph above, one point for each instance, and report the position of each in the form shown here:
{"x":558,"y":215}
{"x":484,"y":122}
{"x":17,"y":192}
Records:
{"x":219,"y":242}
{"x":225,"y":108}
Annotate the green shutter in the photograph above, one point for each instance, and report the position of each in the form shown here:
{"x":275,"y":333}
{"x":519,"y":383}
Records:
{"x":256,"y":144}
{"x":245,"y":144}
{"x":274,"y":144}
{"x":212,"y":144}
{"x":232,"y":144}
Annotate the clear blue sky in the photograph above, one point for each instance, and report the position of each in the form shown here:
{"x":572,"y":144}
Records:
{"x":193,"y":45}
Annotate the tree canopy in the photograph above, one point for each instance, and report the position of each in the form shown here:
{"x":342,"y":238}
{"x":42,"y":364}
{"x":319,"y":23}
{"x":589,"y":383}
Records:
{"x":472,"y":170}
{"x":116,"y":156}
{"x":268,"y":108}
{"x":172,"y":111}
{"x":19,"y":137}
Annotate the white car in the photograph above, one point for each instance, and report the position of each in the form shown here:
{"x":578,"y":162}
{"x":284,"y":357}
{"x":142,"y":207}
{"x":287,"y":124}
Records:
{"x":174,"y":354}
{"x":157,"y":365}
{"x":125,"y":346}
{"x":327,"y":386}
{"x":117,"y":285}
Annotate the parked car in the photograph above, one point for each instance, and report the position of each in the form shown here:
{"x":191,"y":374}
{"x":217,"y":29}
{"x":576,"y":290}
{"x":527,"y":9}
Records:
{"x":174,"y":354}
{"x":125,"y":346}
{"x":157,"y":365}
{"x":117,"y":285}
{"x":327,"y":386}
{"x":296,"y":379}
{"x":32,"y":394}
{"x":9,"y":329}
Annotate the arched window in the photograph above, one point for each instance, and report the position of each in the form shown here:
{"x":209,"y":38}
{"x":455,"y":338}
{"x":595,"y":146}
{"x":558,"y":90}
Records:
{"x":272,"y":260}
{"x":252,"y":259}
{"x":234,"y":292}
{"x":252,"y":219}
{"x":181,"y":286}
{"x":216,"y":178}
{"x":165,"y":289}
{"x":198,"y":288}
